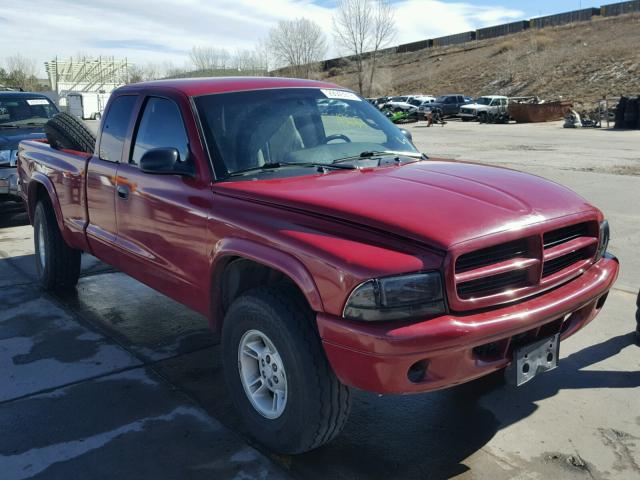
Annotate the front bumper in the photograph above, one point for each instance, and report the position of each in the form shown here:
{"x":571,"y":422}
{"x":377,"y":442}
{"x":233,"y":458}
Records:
{"x":9,"y":182}
{"x":454,"y":349}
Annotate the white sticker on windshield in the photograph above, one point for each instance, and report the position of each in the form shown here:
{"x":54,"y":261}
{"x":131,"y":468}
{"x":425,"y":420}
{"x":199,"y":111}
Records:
{"x":37,"y":101}
{"x":340,"y":94}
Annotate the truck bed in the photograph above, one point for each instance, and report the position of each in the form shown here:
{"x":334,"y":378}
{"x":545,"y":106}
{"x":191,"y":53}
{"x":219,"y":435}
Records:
{"x":62,"y":173}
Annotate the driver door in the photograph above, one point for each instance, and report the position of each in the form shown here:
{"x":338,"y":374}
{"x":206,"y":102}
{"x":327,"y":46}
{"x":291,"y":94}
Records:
{"x":162,"y":219}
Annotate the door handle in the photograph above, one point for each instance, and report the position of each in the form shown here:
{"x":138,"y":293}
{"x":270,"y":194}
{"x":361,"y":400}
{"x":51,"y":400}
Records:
{"x":123,"y":191}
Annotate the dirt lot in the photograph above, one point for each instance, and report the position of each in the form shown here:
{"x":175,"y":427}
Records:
{"x":119,"y":381}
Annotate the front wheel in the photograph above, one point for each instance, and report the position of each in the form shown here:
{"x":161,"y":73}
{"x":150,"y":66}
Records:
{"x":57,"y":264}
{"x":277,"y":374}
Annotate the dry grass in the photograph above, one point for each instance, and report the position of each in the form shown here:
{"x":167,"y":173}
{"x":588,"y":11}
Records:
{"x":582,"y":62}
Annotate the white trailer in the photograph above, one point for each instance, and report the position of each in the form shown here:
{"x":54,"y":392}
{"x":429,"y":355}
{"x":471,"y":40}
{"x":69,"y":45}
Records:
{"x":87,"y":105}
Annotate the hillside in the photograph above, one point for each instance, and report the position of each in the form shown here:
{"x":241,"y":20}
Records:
{"x":582,"y":62}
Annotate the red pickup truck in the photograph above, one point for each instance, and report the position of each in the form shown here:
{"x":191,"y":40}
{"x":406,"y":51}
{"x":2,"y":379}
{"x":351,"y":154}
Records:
{"x":326,"y":250}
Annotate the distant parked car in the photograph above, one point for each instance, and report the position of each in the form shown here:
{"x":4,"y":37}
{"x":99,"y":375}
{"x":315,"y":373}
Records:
{"x":380,"y":102}
{"x":406,"y":103}
{"x":449,"y":105}
{"x":22,"y":117}
{"x":490,"y":104}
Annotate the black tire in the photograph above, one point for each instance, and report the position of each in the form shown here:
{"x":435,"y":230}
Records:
{"x":317,"y":403}
{"x":60,"y":268}
{"x":483,"y":117}
{"x":65,"y":131}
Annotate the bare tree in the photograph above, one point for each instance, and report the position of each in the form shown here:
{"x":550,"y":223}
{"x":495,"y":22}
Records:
{"x":263,"y":55}
{"x":135,"y":74}
{"x":383,"y":32}
{"x":297,"y":44}
{"x":362,"y":28}
{"x":22,"y":72}
{"x":209,"y":58}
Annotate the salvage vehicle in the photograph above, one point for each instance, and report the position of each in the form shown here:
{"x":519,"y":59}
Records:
{"x":483,"y":106}
{"x":406,"y":104}
{"x":448,"y":105}
{"x":326,"y":250}
{"x":22,"y":116}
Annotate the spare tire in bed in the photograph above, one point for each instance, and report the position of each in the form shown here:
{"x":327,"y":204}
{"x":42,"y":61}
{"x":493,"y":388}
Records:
{"x":65,"y":131}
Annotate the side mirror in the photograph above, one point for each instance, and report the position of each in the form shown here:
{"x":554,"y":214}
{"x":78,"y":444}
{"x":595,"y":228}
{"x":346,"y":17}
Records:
{"x":165,"y":161}
{"x":407,"y":134}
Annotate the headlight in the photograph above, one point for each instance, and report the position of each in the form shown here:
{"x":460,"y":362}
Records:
{"x":603,"y":241}
{"x":394,"y":298}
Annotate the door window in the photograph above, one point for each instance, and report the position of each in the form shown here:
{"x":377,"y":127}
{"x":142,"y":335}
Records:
{"x":115,"y":127}
{"x":161,"y":126}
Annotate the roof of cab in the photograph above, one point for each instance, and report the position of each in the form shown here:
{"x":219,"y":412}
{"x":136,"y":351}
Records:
{"x":208,"y":85}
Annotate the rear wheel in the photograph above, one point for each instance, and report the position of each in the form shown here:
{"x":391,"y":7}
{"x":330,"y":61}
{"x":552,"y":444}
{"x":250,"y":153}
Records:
{"x":57,"y":264}
{"x":277,"y":374}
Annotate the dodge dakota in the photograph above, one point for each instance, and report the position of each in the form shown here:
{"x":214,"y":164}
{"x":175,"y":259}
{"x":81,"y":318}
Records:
{"x":326,"y":250}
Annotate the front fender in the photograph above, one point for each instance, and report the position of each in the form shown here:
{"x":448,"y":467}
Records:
{"x":271,"y":257}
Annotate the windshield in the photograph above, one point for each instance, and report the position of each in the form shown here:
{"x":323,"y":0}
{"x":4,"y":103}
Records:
{"x":483,"y":101}
{"x":294,"y":125}
{"x":21,"y":111}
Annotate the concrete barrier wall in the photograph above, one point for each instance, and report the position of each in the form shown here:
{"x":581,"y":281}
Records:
{"x":583,"y":15}
{"x":454,"y":39}
{"x":620,"y":8}
{"x":502,"y":30}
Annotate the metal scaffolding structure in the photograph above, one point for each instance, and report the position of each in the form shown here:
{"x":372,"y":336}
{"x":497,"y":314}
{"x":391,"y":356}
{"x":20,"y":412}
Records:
{"x":87,"y":74}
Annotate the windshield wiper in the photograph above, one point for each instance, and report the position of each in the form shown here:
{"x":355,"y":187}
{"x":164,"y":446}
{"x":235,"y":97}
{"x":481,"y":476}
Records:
{"x":9,"y":125}
{"x":368,"y":154}
{"x":274,"y":165}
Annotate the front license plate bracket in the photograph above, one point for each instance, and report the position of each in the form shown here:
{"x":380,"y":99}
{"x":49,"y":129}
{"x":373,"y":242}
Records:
{"x":535,"y":358}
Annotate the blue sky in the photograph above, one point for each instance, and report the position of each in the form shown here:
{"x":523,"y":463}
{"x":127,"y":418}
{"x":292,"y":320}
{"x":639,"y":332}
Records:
{"x":164,"y":31}
{"x":542,"y":7}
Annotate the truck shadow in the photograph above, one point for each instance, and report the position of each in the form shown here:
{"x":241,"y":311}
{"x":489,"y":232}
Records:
{"x":12,"y":215}
{"x":429,"y":435}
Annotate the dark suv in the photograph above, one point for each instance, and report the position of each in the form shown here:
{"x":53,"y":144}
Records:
{"x":449,"y":105}
{"x":22,"y":117}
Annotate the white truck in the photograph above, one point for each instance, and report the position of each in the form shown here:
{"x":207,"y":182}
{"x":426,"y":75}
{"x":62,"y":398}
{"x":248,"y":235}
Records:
{"x":87,"y":105}
{"x":484,"y":106}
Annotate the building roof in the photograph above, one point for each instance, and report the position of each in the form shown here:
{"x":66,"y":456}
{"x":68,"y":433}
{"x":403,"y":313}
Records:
{"x":208,"y":85}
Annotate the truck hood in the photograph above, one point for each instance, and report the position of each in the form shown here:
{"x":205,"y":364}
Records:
{"x":439,"y":203}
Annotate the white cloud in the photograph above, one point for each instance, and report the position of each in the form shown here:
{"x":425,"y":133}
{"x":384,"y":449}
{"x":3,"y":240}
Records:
{"x":165,"y":30}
